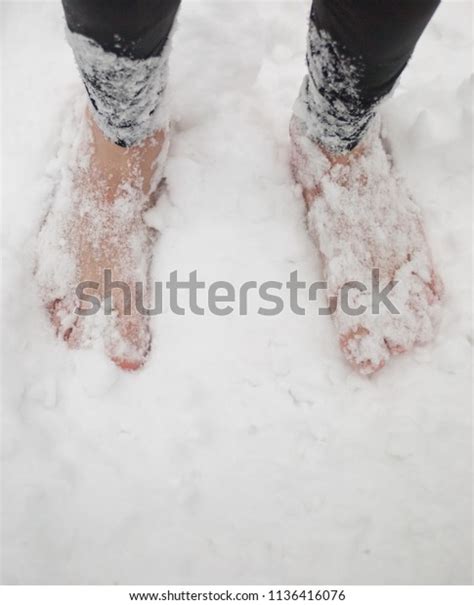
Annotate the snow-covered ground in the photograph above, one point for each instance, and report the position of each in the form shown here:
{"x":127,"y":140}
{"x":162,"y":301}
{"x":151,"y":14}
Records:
{"x":246,"y":451}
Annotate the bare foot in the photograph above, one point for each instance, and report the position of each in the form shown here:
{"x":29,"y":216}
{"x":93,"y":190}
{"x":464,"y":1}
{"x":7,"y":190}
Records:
{"x":96,"y":224}
{"x":363,"y":219}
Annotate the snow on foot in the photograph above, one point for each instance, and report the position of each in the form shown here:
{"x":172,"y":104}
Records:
{"x":369,"y":231}
{"x":95,"y":225}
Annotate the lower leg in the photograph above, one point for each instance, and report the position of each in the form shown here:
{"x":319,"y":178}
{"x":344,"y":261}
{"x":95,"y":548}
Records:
{"x":359,"y":210}
{"x":357,"y":50}
{"x":115,"y":176}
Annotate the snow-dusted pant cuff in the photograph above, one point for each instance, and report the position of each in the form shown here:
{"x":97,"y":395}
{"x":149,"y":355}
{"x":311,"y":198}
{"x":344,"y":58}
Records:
{"x":127,"y":95}
{"x":329,"y":101}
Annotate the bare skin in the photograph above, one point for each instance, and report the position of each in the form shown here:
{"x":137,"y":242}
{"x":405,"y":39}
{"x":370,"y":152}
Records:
{"x":359,"y":211}
{"x":114,"y":165}
{"x":107,"y":231}
{"x":364,"y":219}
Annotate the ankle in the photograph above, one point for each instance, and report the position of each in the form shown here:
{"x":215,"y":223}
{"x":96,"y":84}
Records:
{"x":344,"y":158}
{"x":115,"y":165}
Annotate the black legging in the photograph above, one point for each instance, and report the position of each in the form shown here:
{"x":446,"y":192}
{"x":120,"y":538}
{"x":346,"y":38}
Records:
{"x":356,"y":52}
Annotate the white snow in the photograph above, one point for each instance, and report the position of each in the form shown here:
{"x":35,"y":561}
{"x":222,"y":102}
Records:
{"x":247,"y":450}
